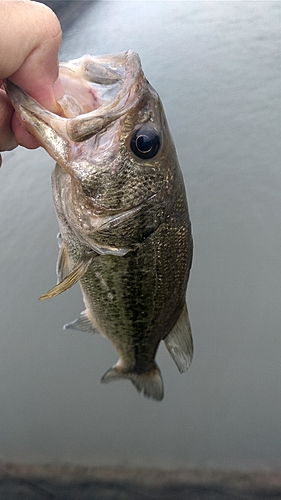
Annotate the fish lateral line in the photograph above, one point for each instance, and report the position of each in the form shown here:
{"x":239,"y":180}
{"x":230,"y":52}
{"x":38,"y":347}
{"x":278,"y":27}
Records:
{"x":73,"y":277}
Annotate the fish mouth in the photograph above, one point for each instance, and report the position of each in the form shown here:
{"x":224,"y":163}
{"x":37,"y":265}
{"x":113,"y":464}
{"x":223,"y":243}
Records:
{"x":98,"y":91}
{"x":113,"y":89}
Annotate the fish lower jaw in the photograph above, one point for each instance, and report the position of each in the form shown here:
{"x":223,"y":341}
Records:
{"x":151,"y":383}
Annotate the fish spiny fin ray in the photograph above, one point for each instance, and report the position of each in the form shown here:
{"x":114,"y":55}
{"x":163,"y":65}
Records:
{"x":151,"y":383}
{"x":64,"y":264}
{"x":179,"y":341}
{"x":83,"y":323}
{"x":76,"y":274}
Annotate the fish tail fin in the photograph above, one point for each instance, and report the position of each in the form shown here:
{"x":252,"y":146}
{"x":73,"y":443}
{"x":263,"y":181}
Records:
{"x":151,"y":383}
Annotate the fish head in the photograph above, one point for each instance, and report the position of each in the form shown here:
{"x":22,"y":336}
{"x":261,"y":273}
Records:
{"x":111,"y":140}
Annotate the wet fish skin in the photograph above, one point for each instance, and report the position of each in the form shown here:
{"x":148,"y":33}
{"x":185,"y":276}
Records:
{"x":124,"y":222}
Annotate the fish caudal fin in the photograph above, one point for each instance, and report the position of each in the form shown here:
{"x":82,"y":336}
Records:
{"x":150,"y":383}
{"x":179,"y":341}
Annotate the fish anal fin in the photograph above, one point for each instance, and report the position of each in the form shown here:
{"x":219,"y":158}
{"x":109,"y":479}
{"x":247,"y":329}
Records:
{"x":179,"y":341}
{"x":64,"y":264}
{"x":83,"y":323}
{"x":150,"y":383}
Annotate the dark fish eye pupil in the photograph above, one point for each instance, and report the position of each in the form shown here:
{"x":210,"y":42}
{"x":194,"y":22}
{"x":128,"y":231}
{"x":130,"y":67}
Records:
{"x":145,"y":143}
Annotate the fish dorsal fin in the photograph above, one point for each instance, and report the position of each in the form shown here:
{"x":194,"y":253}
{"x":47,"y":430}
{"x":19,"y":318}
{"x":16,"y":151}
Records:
{"x":75,"y":275}
{"x":150,"y":383}
{"x":64,"y":264}
{"x":83,"y":323}
{"x":179,"y":341}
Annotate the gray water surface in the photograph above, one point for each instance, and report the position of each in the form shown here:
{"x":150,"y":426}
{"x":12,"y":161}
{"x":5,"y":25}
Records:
{"x":217,"y":69}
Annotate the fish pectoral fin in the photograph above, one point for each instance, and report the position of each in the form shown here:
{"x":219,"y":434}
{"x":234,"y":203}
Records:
{"x":64,"y":264}
{"x":179,"y":341}
{"x":83,"y":323}
{"x":75,"y":275}
{"x":151,"y":383}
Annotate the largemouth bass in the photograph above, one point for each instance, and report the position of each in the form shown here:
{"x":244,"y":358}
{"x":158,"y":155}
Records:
{"x":125,"y":232}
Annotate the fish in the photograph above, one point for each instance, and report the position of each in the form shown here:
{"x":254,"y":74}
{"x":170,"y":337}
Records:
{"x":119,"y":194}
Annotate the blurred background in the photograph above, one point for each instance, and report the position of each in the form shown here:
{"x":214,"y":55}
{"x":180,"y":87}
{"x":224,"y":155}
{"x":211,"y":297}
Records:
{"x":216,"y":66}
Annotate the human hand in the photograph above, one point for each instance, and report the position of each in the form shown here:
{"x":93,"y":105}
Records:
{"x":30,"y":37}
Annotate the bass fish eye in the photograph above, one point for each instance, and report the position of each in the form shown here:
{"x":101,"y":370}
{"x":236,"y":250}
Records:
{"x":145,"y":143}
